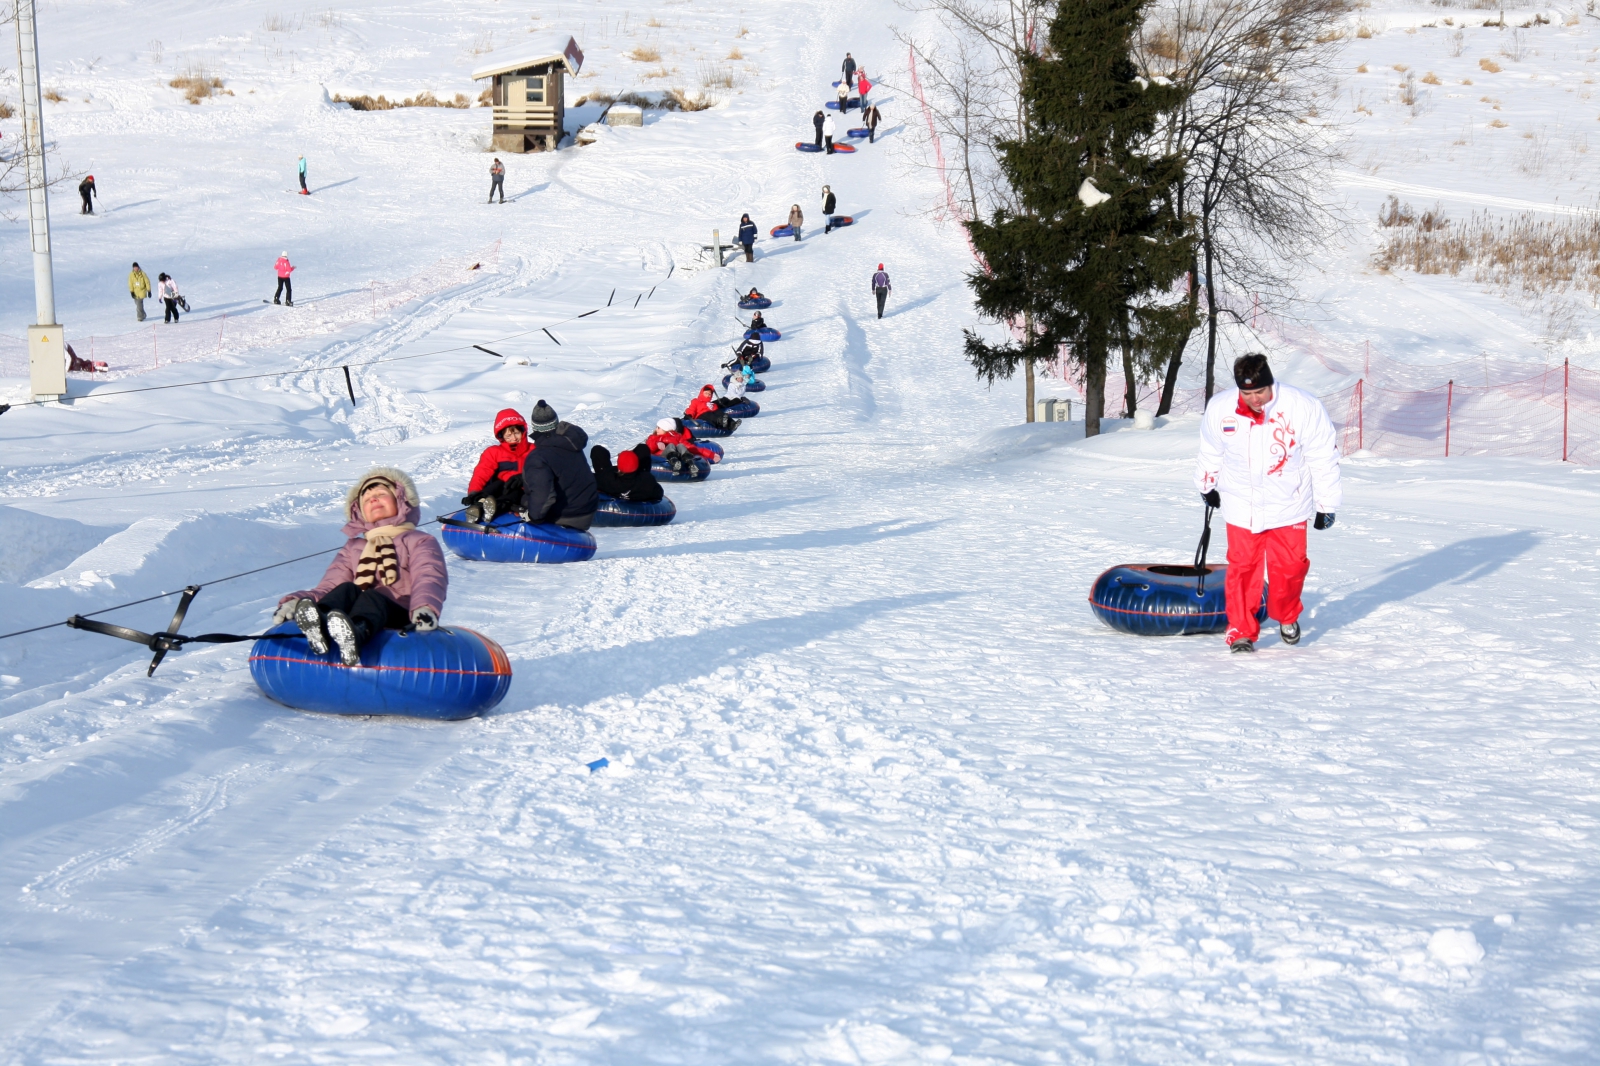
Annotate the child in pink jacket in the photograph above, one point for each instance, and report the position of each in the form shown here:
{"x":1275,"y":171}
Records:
{"x":387,"y":576}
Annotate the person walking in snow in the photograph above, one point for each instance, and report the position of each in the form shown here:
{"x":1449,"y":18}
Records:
{"x":388,"y":575}
{"x":869,"y":117}
{"x":816,"y":121}
{"x":880,"y":288}
{"x":1269,"y":459}
{"x":167,"y":290}
{"x":747,"y":237}
{"x":797,"y":219}
{"x":560,"y":486}
{"x":848,"y":68}
{"x":303,"y":190}
{"x":285,"y":291}
{"x":497,"y":180}
{"x":844,"y":97}
{"x":829,"y":128}
{"x":829,"y":202}
{"x":863,"y":86}
{"x":139,"y":287}
{"x":87,"y":190}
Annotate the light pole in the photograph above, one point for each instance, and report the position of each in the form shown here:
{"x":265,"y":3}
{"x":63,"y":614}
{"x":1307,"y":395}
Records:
{"x":47,"y":358}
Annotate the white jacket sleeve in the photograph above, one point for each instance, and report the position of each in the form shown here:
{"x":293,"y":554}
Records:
{"x":1320,"y":447}
{"x":1208,"y":466}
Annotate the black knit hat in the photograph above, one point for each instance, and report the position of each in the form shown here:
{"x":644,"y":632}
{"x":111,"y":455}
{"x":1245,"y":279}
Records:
{"x":1252,"y":372}
{"x":543,"y":419}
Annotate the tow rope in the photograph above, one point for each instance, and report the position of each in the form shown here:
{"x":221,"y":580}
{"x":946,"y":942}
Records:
{"x":170,"y":639}
{"x":1199,"y":555}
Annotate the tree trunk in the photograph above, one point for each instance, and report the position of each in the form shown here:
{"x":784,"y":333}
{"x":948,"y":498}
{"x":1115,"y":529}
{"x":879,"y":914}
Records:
{"x":1094,"y":382}
{"x":1027,"y":331}
{"x":1170,"y":385}
{"x":1130,"y":387}
{"x":1211,"y":308}
{"x":1030,"y":389}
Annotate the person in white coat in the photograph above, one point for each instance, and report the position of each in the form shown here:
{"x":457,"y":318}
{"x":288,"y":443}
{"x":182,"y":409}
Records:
{"x":829,"y":128}
{"x":1269,"y":459}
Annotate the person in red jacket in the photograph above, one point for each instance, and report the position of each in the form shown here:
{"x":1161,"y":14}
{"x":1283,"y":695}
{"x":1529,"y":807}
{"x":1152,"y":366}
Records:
{"x":707,"y":408}
{"x":496,"y":484}
{"x":674,"y":444}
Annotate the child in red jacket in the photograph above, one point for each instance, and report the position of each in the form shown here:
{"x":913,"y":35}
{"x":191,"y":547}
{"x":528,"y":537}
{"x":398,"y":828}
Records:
{"x":674,"y":444}
{"x":707,"y":408}
{"x":496,"y":485}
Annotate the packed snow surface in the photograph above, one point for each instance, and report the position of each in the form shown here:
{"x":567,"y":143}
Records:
{"x":879,"y":788}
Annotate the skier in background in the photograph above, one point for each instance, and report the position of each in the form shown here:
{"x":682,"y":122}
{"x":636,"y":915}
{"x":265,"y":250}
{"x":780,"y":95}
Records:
{"x":880,"y":288}
{"x":497,"y":180}
{"x":1269,"y":459}
{"x":139,"y":287}
{"x":285,"y":291}
{"x":86,"y":190}
{"x":303,"y":190}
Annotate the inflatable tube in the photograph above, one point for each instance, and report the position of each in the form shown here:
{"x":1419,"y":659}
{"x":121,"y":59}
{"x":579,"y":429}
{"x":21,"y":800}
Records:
{"x":744,"y":409}
{"x":847,"y":149}
{"x":761,"y":364}
{"x":1159,"y":601}
{"x":805,"y":146}
{"x":782,"y":231}
{"x":760,"y":303}
{"x":841,"y":220}
{"x":755,"y":386}
{"x":614,"y":512}
{"x":768,"y":334}
{"x":714,"y":448}
{"x":508,"y":539}
{"x":662,"y":471}
{"x":699,"y":429}
{"x":855,"y":101}
{"x":449,"y":674}
{"x":860,"y":131}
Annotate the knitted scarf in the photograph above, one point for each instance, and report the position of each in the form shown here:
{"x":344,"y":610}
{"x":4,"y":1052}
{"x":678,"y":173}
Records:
{"x":379,"y":565}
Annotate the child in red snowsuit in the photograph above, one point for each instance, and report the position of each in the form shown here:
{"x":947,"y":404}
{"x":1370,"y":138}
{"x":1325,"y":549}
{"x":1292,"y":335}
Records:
{"x":707,"y":408}
{"x":496,"y":485}
{"x":674,"y":444}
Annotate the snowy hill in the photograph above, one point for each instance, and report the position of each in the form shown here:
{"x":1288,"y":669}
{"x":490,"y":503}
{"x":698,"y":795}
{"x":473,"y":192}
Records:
{"x":881,"y":789}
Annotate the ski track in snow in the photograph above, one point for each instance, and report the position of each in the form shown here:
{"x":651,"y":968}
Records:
{"x":881,"y":789}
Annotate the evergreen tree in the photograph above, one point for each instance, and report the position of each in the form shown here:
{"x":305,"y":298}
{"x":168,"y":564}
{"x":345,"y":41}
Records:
{"x":1091,"y":233}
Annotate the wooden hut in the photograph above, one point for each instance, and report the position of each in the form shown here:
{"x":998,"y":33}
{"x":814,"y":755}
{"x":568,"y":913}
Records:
{"x":529,"y":97}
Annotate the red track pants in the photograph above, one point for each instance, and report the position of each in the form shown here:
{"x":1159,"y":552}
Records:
{"x":1279,"y":557}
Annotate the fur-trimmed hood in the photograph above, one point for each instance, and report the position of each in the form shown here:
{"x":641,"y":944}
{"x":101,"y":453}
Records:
{"x":405,"y":493}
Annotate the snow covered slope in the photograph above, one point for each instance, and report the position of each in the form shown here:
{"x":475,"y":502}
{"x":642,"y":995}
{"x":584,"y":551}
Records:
{"x":880,"y":788}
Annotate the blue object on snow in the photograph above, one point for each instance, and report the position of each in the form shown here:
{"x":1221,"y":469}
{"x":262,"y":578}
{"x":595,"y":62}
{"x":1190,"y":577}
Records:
{"x":448,"y":673}
{"x":745,"y":408}
{"x":855,"y":102}
{"x":760,"y":303}
{"x":860,"y":131}
{"x":755,"y":386}
{"x":713,"y":447}
{"x":508,"y":539}
{"x":807,"y":146}
{"x":1161,"y":601}
{"x":599,"y":764}
{"x":760,"y":364}
{"x":658,"y":466}
{"x":768,"y":334}
{"x":615,"y":512}
{"x":783,"y":231}
{"x":700,"y":430}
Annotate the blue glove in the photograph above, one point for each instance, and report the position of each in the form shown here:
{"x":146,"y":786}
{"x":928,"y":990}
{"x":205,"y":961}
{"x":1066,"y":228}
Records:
{"x":1324,"y":520}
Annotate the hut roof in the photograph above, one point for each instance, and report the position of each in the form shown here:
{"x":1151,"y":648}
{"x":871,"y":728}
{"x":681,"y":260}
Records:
{"x":554,"y":49}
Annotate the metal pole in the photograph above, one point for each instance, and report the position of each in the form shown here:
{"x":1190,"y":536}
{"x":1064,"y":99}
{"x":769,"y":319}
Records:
{"x":46,"y":354}
{"x":1566,"y":381}
{"x":1361,"y":414}
{"x":1449,"y":400}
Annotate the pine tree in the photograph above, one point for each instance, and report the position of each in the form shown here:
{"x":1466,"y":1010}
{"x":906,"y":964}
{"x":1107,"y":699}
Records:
{"x":1091,"y":234}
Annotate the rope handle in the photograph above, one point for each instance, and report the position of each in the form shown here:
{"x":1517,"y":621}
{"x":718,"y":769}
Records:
{"x":1200,"y":554}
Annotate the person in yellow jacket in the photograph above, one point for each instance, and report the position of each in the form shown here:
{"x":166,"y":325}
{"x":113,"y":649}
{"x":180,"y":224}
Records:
{"x":139,"y":286}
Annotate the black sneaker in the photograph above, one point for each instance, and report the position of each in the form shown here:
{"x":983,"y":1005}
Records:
{"x":1290,"y":633}
{"x":343,"y":633}
{"x":474,"y":513}
{"x":1238,"y":647}
{"x":309,"y":619}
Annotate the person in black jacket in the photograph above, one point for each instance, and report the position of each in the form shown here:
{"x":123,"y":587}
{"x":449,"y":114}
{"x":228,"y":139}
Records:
{"x":559,"y":484}
{"x":86,"y":189}
{"x":747,"y":237}
{"x":630,"y":479}
{"x":816,"y":120}
{"x":848,"y":68}
{"x":829,"y":203}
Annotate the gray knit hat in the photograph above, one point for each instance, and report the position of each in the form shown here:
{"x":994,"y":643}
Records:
{"x":543,"y":419}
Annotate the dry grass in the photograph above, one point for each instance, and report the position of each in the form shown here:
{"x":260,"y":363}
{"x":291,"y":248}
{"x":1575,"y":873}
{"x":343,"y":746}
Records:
{"x":6,"y":110}
{"x":1526,"y":256}
{"x":744,"y":31}
{"x":1325,"y":37}
{"x":735,"y":54}
{"x":1162,"y":43}
{"x":1362,"y":69}
{"x":716,"y":76}
{"x":1466,"y":81}
{"x":53,"y":96}
{"x":1489,"y":65}
{"x":283,"y":23}
{"x":1408,"y":91}
{"x":486,"y":98}
{"x":1401,"y":67}
{"x":678,"y":100}
{"x":654,"y":23}
{"x":671,"y":100}
{"x":659,"y":72}
{"x":1431,"y":78}
{"x":644,"y":53}
{"x":1499,"y":124}
{"x":1364,"y":31}
{"x":197,"y":85}
{"x":383,"y":103}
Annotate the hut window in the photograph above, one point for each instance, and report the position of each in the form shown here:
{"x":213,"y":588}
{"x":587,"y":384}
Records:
{"x":536,"y":90}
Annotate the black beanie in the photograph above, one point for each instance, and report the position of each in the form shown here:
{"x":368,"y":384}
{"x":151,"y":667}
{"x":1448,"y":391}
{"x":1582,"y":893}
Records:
{"x":1251,"y":371}
{"x":543,"y":419}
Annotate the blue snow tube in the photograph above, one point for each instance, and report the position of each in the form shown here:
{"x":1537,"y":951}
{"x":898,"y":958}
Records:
{"x":860,"y":131}
{"x":744,"y":409}
{"x":700,"y":430}
{"x":659,"y":467}
{"x":508,"y":539}
{"x":855,"y":102}
{"x":755,"y":386}
{"x":760,"y":303}
{"x":760,"y":364}
{"x":615,"y":512}
{"x":1161,"y":601}
{"x":783,"y":231}
{"x":805,"y":146}
{"x":447,"y":674}
{"x":768,"y":334}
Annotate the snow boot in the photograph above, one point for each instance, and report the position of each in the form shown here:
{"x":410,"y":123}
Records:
{"x":1290,"y":633}
{"x":343,"y":632}
{"x":309,"y":619}
{"x":474,"y":512}
{"x":487,"y":504}
{"x":276,"y":300}
{"x":1238,"y":647}
{"x":289,"y":304}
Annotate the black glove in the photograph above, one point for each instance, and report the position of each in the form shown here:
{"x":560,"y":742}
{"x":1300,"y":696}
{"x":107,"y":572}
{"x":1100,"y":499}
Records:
{"x":1214,"y":499}
{"x":424,"y":620}
{"x":1324,"y":520}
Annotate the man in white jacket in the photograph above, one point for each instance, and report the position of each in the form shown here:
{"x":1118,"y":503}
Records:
{"x":1269,"y":458}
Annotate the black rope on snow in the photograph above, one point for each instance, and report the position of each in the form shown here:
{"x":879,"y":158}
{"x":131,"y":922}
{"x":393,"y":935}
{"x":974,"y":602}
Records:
{"x":349,"y":387}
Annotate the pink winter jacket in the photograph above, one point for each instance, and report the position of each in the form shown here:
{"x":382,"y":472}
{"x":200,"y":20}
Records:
{"x":423,"y":578}
{"x":282,"y":266}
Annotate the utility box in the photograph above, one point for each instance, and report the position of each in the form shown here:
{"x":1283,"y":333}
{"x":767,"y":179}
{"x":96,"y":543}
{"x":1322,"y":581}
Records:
{"x":624,"y":115}
{"x":47,"y":362}
{"x":1052,"y":410}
